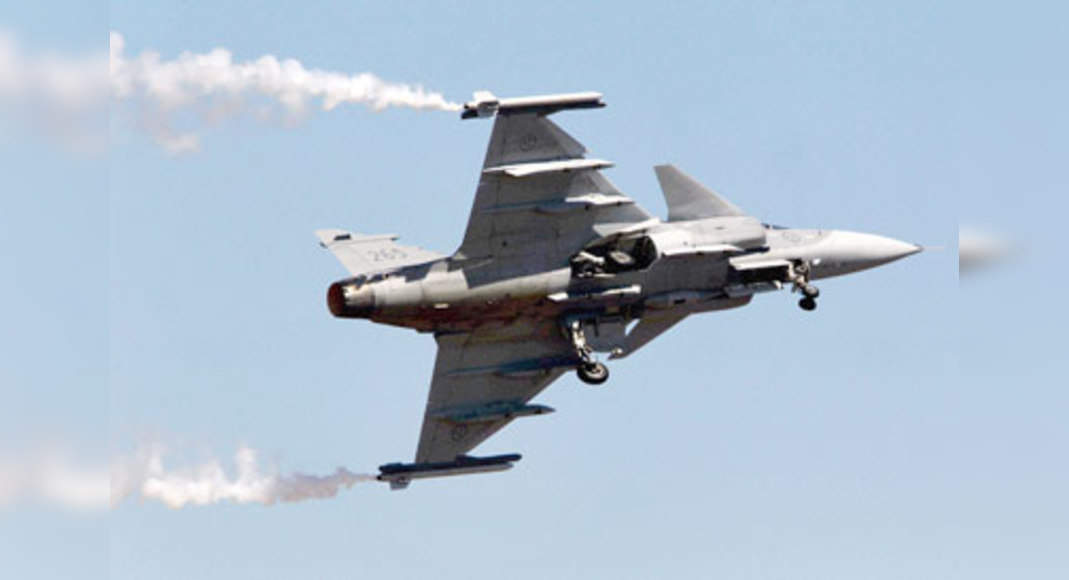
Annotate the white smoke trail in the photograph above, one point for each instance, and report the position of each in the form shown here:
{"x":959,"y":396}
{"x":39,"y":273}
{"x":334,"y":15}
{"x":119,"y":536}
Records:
{"x":49,"y":475}
{"x":63,"y":97}
{"x":144,"y":475}
{"x":190,"y":79}
{"x":174,"y":98}
{"x":52,"y":477}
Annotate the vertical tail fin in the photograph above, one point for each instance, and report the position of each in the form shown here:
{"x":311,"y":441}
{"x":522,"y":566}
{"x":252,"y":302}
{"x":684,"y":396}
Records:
{"x":689,"y":200}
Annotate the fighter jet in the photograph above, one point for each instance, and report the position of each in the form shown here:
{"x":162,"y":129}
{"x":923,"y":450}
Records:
{"x":556,"y":266}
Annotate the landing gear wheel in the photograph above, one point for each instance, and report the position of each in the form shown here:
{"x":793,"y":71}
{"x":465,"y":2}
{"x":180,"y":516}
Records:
{"x":593,"y":373}
{"x":807,"y":304}
{"x":810,"y":291}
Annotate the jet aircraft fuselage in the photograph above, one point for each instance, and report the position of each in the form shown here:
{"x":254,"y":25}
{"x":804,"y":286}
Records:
{"x":557,"y":265}
{"x":445,"y":296}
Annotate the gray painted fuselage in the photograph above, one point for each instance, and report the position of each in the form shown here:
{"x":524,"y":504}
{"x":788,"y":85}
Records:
{"x":453,"y":294}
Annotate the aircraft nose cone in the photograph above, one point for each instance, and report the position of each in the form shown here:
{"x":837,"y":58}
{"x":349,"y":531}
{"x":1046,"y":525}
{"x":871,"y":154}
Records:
{"x":876,"y":249}
{"x":845,"y":252}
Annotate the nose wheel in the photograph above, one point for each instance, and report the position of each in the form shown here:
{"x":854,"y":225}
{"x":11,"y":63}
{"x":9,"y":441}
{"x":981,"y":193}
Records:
{"x":590,"y":370}
{"x":594,"y":373}
{"x":801,"y":284}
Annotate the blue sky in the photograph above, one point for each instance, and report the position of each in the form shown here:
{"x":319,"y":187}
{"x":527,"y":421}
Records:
{"x":911,"y":427}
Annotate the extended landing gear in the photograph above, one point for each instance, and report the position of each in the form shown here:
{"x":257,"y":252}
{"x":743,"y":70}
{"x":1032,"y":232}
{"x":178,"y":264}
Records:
{"x":593,"y":373}
{"x":590,"y":371}
{"x":801,"y":284}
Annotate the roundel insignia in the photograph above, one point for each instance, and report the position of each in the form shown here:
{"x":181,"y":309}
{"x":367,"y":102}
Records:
{"x":528,"y":142}
{"x":458,"y":433}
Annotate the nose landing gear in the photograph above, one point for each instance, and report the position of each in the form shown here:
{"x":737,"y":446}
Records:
{"x":594,"y":373}
{"x":590,"y":370}
{"x":801,"y":284}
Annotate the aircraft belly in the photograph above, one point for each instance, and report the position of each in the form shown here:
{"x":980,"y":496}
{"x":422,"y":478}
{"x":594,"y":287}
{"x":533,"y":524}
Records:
{"x":447,"y":303}
{"x":686,"y":274}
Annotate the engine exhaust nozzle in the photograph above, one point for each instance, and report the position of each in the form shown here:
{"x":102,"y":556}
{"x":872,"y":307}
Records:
{"x":348,"y":299}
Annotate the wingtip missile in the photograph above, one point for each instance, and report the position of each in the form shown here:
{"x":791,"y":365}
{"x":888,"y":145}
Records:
{"x":483,"y":104}
{"x":486,"y":104}
{"x":399,"y":475}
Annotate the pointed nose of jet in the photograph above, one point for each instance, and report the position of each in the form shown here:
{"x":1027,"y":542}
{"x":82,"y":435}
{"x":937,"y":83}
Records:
{"x":845,"y":252}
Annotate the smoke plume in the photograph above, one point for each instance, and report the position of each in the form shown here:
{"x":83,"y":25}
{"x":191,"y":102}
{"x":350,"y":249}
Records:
{"x":145,"y":476}
{"x":51,"y":477}
{"x":173,"y":100}
{"x":220,"y":87}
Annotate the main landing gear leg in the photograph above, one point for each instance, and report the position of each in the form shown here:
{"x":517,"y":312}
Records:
{"x":801,"y":284}
{"x":590,"y":371}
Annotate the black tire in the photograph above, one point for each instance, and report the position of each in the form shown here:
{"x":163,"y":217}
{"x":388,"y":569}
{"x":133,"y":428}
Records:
{"x":807,"y":304}
{"x":593,"y":373}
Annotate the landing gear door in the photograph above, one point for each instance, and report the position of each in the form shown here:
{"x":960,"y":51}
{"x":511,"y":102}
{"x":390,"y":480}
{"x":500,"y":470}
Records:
{"x":748,"y":277}
{"x":605,"y":335}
